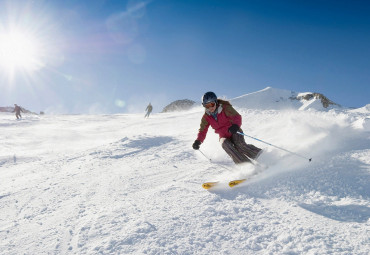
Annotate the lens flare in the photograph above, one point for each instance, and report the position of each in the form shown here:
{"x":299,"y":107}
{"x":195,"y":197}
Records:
{"x":120,"y":103}
{"x":19,"y":51}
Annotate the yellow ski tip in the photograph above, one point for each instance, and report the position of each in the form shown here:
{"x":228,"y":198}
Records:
{"x":208,"y":185}
{"x":236,"y":182}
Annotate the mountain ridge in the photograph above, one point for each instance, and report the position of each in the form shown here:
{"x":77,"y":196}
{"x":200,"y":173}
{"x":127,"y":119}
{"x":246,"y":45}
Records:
{"x":273,"y":98}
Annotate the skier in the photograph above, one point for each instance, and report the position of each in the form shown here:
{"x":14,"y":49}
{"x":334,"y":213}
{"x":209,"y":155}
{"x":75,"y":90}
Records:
{"x":17,"y":110}
{"x":226,"y":122}
{"x":149,"y":109}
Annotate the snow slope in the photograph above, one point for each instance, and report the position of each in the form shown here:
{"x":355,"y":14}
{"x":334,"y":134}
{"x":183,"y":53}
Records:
{"x":122,"y":184}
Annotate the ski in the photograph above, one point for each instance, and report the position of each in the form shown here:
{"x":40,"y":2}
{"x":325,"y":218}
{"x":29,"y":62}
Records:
{"x":208,"y":185}
{"x":233,"y":183}
{"x":236,"y":182}
{"x":259,"y":168}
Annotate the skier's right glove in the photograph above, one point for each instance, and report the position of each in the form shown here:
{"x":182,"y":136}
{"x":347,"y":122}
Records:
{"x":196,"y":145}
{"x":233,"y":129}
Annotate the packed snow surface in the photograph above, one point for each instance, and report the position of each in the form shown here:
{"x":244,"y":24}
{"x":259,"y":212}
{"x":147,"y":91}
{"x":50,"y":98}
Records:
{"x":122,"y":184}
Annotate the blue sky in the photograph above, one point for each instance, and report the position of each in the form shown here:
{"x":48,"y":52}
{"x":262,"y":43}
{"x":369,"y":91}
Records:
{"x":117,"y":56}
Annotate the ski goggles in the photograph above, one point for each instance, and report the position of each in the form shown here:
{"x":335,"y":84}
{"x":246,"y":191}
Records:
{"x":209,"y":105}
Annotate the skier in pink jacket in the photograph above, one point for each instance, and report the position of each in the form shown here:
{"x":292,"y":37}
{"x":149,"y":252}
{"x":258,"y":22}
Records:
{"x":226,"y":122}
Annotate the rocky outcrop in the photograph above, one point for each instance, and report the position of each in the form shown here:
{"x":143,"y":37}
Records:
{"x":11,"y":109}
{"x":7,"y":109}
{"x":326,"y":102}
{"x":179,"y":105}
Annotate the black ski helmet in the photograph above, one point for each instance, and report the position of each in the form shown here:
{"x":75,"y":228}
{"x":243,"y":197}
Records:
{"x":209,"y":97}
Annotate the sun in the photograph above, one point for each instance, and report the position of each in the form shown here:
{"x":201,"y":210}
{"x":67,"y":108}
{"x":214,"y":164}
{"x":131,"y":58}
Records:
{"x":19,"y":51}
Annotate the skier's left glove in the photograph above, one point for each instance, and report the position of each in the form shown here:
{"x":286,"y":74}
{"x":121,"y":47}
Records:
{"x":233,"y":129}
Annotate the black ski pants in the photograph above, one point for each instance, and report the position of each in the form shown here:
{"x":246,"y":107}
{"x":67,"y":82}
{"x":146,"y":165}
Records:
{"x":238,"y":149}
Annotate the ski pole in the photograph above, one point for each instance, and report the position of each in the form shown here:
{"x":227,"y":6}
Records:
{"x":212,"y":161}
{"x":309,"y":159}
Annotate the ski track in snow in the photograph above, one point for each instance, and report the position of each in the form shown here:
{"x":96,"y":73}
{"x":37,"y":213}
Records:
{"x":121,"y":184}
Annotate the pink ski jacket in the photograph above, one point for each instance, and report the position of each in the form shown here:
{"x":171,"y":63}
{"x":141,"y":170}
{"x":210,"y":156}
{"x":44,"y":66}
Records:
{"x":226,"y":116}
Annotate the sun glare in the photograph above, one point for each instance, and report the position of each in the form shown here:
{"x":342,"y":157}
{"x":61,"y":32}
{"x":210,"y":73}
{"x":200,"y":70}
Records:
{"x":19,"y":51}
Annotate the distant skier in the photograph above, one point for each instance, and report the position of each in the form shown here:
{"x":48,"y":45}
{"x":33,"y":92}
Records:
{"x":149,"y":109}
{"x":18,"y":110}
{"x":226,"y":122}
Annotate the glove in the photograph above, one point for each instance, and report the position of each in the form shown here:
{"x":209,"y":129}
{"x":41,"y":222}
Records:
{"x":196,"y":144}
{"x":233,"y":129}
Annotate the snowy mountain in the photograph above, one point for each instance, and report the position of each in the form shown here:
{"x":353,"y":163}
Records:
{"x":119,"y":184}
{"x":271,"y":98}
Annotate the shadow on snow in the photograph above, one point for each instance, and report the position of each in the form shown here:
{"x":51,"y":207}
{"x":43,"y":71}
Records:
{"x":126,"y":147}
{"x":345,"y":213}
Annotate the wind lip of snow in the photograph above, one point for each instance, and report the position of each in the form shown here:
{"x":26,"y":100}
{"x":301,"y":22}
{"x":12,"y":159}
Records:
{"x":267,"y":89}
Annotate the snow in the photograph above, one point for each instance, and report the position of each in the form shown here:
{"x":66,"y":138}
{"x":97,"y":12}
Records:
{"x":122,"y":184}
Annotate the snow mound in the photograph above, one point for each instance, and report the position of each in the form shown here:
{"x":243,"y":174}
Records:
{"x":362,"y":123}
{"x":365,"y":109}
